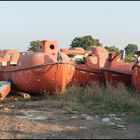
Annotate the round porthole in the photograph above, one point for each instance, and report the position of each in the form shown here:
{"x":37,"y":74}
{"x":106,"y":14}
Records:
{"x":52,"y":47}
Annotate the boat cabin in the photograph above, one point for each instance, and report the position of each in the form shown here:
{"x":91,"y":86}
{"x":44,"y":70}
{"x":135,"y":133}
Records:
{"x":9,"y":57}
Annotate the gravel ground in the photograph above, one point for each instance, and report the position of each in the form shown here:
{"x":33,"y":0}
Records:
{"x":40,"y":119}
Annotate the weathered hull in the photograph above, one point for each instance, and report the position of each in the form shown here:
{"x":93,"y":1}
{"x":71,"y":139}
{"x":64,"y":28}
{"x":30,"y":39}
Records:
{"x":86,"y":76}
{"x":88,"y":68}
{"x":49,"y":78}
{"x":114,"y":77}
{"x":136,"y":77}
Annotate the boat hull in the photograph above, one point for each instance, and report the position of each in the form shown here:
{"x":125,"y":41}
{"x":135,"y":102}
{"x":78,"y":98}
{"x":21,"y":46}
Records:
{"x":88,"y":65}
{"x":136,"y":77}
{"x":42,"y":78}
{"x":113,"y":78}
{"x":84,"y":76}
{"x":116,"y":71}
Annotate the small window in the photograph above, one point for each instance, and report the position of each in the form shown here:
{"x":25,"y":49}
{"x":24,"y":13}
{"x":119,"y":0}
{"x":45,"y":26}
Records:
{"x":52,"y":47}
{"x":4,"y":63}
{"x":79,"y":61}
{"x":13,"y":63}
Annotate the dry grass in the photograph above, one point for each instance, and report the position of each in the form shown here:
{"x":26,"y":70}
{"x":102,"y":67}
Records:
{"x":98,"y":99}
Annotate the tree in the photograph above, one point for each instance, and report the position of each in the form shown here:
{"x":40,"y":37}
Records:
{"x":129,"y":58}
{"x":131,"y":49}
{"x":112,"y":48}
{"x":34,"y":46}
{"x":84,"y":42}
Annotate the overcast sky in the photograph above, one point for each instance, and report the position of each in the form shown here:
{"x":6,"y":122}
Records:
{"x":112,"y":22}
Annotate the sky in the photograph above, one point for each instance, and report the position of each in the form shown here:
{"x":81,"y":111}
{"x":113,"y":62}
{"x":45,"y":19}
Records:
{"x":112,"y":22}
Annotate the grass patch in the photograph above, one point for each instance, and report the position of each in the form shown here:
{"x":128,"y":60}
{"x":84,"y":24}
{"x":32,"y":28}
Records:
{"x":100,"y":100}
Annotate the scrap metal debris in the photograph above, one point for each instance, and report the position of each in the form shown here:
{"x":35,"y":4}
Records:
{"x":105,"y":120}
{"x":32,"y":116}
{"x":23,"y":94}
{"x":5,"y":88}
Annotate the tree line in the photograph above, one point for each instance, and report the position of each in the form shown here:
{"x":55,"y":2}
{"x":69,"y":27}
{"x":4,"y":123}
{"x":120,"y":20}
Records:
{"x":86,"y":42}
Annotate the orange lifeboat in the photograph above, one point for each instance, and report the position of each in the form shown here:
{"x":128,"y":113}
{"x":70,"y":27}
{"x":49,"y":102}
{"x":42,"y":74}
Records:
{"x":117,"y":72}
{"x":47,"y":70}
{"x":136,"y":72}
{"x":88,"y":65}
{"x":71,"y":52}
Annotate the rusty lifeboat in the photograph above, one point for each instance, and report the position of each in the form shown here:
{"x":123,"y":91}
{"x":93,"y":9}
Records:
{"x":117,"y":71}
{"x":88,"y":64}
{"x":136,"y":71}
{"x":47,"y":70}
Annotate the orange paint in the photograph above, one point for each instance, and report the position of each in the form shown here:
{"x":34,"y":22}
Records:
{"x":136,"y":75}
{"x":91,"y":68}
{"x":47,"y":70}
{"x":5,"y":88}
{"x":116,"y":71}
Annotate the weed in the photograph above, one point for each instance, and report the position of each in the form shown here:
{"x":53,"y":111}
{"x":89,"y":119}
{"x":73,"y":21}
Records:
{"x":98,"y":99}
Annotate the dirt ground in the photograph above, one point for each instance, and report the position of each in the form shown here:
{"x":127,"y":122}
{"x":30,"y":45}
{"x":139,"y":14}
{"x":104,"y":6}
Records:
{"x":40,"y":119}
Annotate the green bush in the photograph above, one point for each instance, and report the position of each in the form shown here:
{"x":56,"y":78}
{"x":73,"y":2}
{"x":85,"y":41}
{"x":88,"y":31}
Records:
{"x":129,"y":58}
